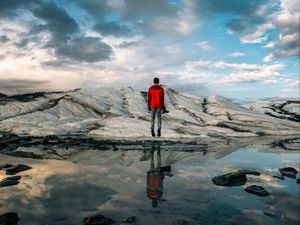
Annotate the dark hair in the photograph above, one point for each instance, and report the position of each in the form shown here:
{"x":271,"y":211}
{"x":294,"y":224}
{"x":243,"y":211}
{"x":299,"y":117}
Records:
{"x":156,"y":80}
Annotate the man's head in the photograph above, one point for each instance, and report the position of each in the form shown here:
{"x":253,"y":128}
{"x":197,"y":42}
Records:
{"x":156,"y":80}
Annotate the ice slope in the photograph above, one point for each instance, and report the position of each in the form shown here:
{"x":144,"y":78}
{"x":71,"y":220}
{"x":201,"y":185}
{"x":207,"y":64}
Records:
{"x":122,"y":113}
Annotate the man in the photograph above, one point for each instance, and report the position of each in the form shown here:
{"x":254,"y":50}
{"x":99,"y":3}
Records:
{"x":156,"y":105}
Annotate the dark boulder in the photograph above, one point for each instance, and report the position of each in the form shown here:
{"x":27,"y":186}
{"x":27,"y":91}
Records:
{"x":10,"y":218}
{"x":230,"y":179}
{"x":257,"y":190}
{"x":129,"y":220}
{"x":182,"y":222}
{"x":250,"y":172}
{"x":12,"y":178}
{"x":16,"y":169}
{"x":98,"y":220}
{"x":279,"y":177}
{"x":288,"y":169}
{"x":288,"y":172}
{"x":6,"y":165}
{"x":5,"y":183}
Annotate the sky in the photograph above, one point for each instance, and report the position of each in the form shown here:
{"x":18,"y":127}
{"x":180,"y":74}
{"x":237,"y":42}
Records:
{"x":234,"y":48}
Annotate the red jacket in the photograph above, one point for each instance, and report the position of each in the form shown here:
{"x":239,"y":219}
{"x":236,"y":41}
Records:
{"x":156,"y":97}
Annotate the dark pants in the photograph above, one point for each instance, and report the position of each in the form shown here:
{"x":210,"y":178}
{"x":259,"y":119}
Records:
{"x":156,"y":112}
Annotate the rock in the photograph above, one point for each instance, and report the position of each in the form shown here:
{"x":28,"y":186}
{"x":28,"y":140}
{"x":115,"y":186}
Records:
{"x":16,"y":169}
{"x":5,"y":183}
{"x":257,"y":190}
{"x":250,"y":172}
{"x":9,"y":218}
{"x":279,"y":177}
{"x":129,"y":220}
{"x":230,"y":179}
{"x":98,"y":220}
{"x":270,"y":213}
{"x":298,"y":180}
{"x":12,"y":178}
{"x":182,"y":222}
{"x":288,"y":169}
{"x":288,"y":172}
{"x":4,"y":166}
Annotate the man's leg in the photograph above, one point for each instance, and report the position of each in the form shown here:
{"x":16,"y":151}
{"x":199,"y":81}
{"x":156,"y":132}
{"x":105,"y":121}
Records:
{"x":159,"y":112}
{"x":153,"y":112}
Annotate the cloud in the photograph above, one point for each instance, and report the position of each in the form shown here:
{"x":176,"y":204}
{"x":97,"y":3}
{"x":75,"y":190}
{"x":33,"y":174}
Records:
{"x":9,"y":8}
{"x":237,"y":54}
{"x":205,"y":45}
{"x":4,"y":39}
{"x":88,"y":49}
{"x":12,"y":86}
{"x":239,"y":72}
{"x":113,"y":29}
{"x":204,"y":64}
{"x":294,"y":84}
{"x":57,"y":21}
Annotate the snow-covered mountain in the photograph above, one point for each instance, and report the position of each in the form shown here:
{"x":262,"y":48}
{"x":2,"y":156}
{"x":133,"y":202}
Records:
{"x":113,"y":113}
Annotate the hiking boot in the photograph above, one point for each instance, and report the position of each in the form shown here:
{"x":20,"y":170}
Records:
{"x":152,"y":133}
{"x":158,"y":133}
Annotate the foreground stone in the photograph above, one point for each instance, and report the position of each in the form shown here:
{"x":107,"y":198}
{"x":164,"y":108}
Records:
{"x":129,"y":220}
{"x":230,"y":179}
{"x":14,"y":169}
{"x":9,"y":218}
{"x":182,"y":222}
{"x":98,"y":220}
{"x":12,"y":178}
{"x":288,"y":172}
{"x":5,"y":183}
{"x":4,"y":166}
{"x":257,"y":190}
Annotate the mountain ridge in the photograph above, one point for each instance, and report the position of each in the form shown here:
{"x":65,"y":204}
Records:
{"x":110,"y":112}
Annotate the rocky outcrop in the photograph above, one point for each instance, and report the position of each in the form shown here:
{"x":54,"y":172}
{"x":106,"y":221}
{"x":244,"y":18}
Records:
{"x":279,"y":108}
{"x":113,"y":113}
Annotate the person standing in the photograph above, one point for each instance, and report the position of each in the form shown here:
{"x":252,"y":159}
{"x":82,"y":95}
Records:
{"x":156,"y":105}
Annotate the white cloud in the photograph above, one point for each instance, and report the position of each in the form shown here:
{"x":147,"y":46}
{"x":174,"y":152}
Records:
{"x":204,"y":64}
{"x":259,"y":35}
{"x":241,"y":72}
{"x":205,"y":45}
{"x":237,"y":54}
{"x":294,"y":84}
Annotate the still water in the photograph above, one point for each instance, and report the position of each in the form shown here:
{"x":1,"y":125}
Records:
{"x":114,"y":184}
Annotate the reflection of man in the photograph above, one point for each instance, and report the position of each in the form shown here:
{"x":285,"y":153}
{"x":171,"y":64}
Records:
{"x":155,"y":178}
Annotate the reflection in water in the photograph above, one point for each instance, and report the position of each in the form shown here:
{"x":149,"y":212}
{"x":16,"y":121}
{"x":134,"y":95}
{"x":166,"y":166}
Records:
{"x":112,"y":183}
{"x":156,"y":175}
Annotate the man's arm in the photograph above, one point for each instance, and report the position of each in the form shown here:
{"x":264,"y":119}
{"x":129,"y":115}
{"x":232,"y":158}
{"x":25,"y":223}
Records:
{"x":149,"y":99}
{"x":163,"y":100}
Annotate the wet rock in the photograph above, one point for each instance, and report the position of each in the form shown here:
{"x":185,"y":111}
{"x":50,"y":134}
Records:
{"x":5,"y":183}
{"x":16,"y":169}
{"x":12,"y":178}
{"x":230,"y":179}
{"x":4,"y":166}
{"x":182,"y":222}
{"x":250,"y":172}
{"x":98,"y":220}
{"x":9,"y":218}
{"x":129,"y":220}
{"x":288,"y":169}
{"x":257,"y":190}
{"x":270,"y":213}
{"x":279,"y":177}
{"x":288,"y":172}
